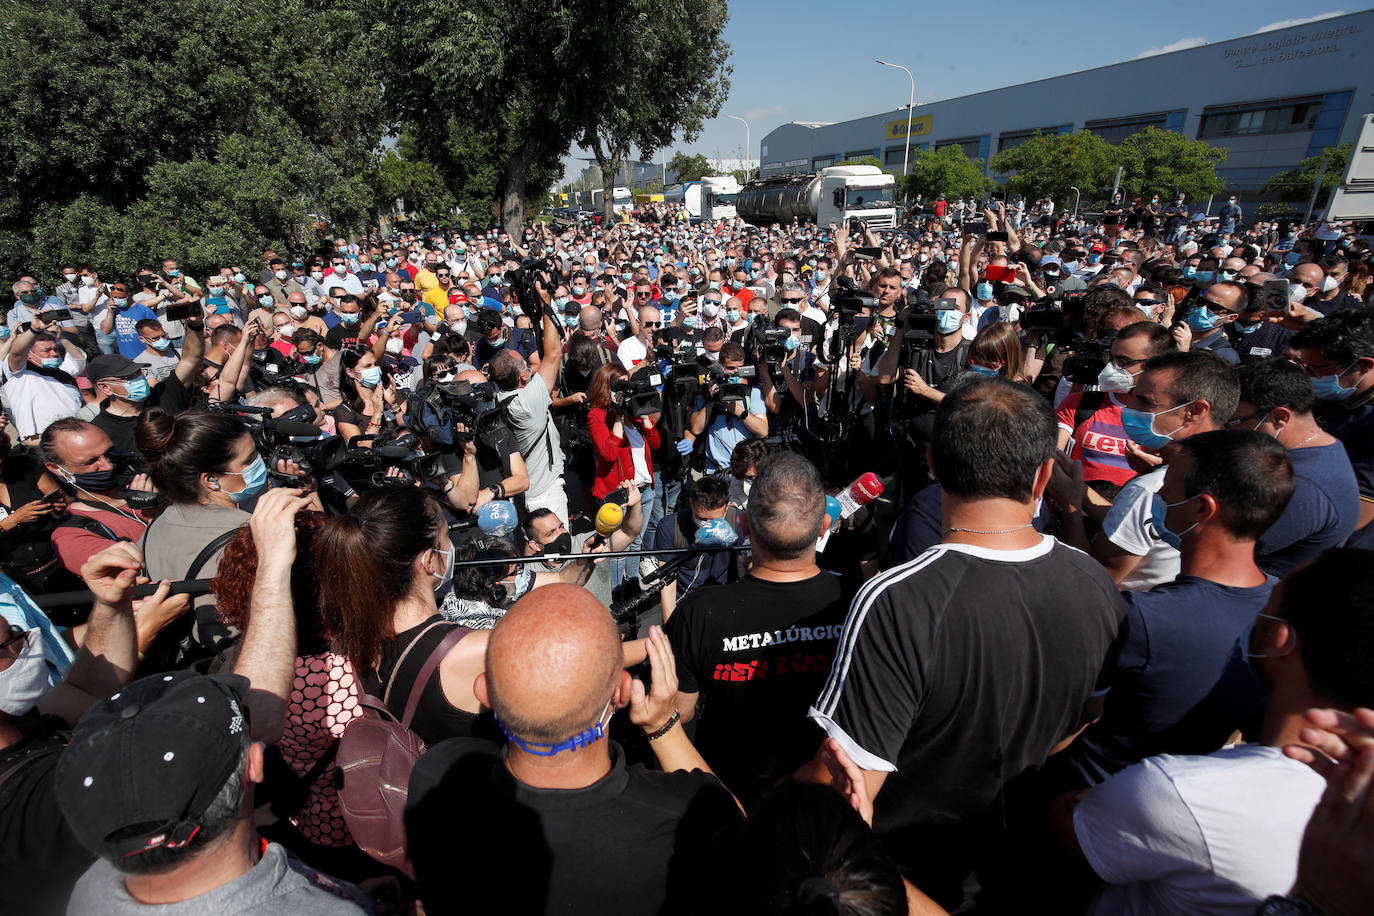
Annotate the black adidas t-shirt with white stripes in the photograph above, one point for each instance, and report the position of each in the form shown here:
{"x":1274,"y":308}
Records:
{"x":962,"y":668}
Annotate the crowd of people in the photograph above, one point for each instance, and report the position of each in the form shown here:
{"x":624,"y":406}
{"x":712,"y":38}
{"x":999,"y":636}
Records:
{"x":440,"y":569}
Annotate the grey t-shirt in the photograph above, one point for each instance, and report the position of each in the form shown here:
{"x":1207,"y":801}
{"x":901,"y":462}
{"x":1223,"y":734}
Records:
{"x":160,"y":365}
{"x":279,"y":883}
{"x":535,"y":434}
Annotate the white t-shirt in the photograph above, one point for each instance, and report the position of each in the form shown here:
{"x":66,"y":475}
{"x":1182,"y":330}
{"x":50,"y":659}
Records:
{"x":631,"y":352}
{"x":635,"y":439}
{"x":36,"y":400}
{"x":1130,"y":525}
{"x":1208,"y":834}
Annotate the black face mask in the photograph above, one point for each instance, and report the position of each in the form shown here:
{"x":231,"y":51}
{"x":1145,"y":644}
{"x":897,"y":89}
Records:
{"x":407,"y":295}
{"x":560,"y":544}
{"x":94,"y":481}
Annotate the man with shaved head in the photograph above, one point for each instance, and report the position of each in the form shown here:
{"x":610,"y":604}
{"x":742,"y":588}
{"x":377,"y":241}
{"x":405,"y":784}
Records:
{"x":758,"y":650}
{"x":557,"y":821}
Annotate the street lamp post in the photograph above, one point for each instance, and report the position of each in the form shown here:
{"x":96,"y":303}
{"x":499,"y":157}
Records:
{"x":910,"y":107}
{"x":746,"y":142}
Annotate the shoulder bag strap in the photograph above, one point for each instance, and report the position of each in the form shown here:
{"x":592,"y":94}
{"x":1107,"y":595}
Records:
{"x":441,"y":651}
{"x":396,"y":668}
{"x":209,"y":551}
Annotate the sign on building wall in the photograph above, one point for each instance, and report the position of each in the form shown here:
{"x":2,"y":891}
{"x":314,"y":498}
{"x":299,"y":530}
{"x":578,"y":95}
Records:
{"x":896,"y":130}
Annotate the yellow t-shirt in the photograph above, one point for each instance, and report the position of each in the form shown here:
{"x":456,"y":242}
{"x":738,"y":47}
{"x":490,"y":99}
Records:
{"x":426,"y":281}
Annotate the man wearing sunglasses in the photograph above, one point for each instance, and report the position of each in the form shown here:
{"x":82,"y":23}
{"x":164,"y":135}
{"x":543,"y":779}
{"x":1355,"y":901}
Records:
{"x":634,"y":350}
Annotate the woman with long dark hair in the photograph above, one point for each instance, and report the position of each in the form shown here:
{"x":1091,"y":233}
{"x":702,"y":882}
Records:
{"x":378,"y":568}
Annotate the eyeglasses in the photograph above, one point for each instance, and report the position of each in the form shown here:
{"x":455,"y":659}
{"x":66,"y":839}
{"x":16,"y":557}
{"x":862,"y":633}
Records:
{"x":1237,"y":421}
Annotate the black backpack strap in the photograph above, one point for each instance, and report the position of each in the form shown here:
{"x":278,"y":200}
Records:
{"x":1089,"y":404}
{"x":86,"y":523}
{"x":209,"y":550}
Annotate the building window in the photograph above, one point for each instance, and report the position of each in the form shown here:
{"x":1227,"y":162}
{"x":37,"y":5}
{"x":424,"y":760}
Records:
{"x":822,"y":162}
{"x":894,"y":155}
{"x":968,"y":145}
{"x":1274,"y":117}
{"x":1013,"y":138}
{"x":1114,"y":130}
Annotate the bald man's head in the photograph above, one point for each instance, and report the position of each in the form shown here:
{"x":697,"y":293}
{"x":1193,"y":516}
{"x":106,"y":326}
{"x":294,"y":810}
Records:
{"x":589,"y":319}
{"x":553,"y":662}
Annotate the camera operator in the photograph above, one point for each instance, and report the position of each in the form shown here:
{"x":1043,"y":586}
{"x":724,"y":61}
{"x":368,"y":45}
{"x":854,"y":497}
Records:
{"x":803,"y":379}
{"x":492,"y":464}
{"x":723,"y":422}
{"x":932,"y":369}
{"x":525,"y":391}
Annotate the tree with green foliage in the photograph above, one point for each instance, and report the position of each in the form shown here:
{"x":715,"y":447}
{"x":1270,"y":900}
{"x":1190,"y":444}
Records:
{"x":199,"y":129}
{"x":417,"y":184}
{"x":1056,"y":163}
{"x":1296,"y":184}
{"x":689,"y":168}
{"x":1167,"y":163}
{"x":946,"y":171}
{"x":670,"y":75}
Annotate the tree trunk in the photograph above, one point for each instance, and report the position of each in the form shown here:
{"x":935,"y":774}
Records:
{"x":517,"y":177}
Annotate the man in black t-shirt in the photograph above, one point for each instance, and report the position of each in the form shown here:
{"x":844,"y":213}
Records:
{"x":558,"y":821}
{"x":971,"y":663}
{"x":757,"y":650}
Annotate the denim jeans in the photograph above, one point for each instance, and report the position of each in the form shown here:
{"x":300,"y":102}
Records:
{"x":628,"y":567}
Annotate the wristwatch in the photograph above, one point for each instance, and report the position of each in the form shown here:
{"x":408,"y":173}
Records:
{"x":495,"y":490}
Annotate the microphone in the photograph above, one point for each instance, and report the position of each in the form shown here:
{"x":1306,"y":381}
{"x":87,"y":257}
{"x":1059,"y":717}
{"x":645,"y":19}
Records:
{"x":608,"y":519}
{"x":866,"y":488}
{"x":294,"y":429}
{"x":716,"y":532}
{"x":495,"y":518}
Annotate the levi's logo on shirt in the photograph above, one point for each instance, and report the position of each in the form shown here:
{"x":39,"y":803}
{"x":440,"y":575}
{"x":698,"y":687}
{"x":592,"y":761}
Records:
{"x":1105,"y":445}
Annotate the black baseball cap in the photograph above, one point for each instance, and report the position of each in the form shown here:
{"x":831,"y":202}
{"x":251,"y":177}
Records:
{"x":144,"y":765}
{"x":112,"y":365}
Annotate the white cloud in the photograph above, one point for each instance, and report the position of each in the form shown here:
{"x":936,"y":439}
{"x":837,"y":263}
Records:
{"x":758,"y":113}
{"x":1289,"y":23}
{"x":1195,"y":41}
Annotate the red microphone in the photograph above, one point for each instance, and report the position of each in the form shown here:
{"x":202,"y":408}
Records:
{"x":866,"y":488}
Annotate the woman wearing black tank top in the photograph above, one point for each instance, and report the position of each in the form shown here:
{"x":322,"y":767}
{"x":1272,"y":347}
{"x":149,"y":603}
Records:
{"x":379,"y":567}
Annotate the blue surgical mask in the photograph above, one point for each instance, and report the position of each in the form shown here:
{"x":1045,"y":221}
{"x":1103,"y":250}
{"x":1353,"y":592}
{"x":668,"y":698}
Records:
{"x":983,"y":370}
{"x":1248,"y":328}
{"x":1189,"y":272}
{"x":371,"y":377}
{"x":136,"y":389}
{"x":570,"y":321}
{"x":1292,"y":258}
{"x":1140,"y":426}
{"x":52,"y":362}
{"x":1158,"y":509}
{"x":733,"y":315}
{"x":350,"y":318}
{"x":1204,"y":276}
{"x":254,"y":480}
{"x":713,"y":284}
{"x":119,"y":302}
{"x":790,"y":343}
{"x":689,"y":321}
{"x":1325,"y":387}
{"x":162,"y":345}
{"x":984,"y":291}
{"x":1096,"y":258}
{"x":948,"y":320}
{"x":312,"y":359}
{"x":1203,"y":319}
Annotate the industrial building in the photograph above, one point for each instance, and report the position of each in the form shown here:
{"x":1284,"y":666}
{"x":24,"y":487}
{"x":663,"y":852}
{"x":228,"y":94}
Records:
{"x":1270,"y":98}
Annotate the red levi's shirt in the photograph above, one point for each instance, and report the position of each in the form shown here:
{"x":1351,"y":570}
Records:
{"x":1100,"y":442}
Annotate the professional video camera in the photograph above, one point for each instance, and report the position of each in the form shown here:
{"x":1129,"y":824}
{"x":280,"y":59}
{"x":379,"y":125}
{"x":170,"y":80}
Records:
{"x":729,"y":386}
{"x":369,"y":468}
{"x":438,"y":409}
{"x":637,"y":396}
{"x":526,"y":281}
{"x":291,"y":437}
{"x":850,"y":300}
{"x":486,"y":320}
{"x":920,"y":321}
{"x":1088,"y":360}
{"x":1057,"y":316}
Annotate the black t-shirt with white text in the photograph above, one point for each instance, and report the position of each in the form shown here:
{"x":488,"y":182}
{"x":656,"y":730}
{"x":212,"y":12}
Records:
{"x":757,"y":652}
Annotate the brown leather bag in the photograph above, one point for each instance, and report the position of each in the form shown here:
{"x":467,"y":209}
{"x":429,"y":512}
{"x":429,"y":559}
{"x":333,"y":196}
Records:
{"x":376,"y":755}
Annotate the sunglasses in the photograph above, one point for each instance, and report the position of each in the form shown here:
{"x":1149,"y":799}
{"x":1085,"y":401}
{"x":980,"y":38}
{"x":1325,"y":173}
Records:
{"x":790,"y":301}
{"x":652,"y":324}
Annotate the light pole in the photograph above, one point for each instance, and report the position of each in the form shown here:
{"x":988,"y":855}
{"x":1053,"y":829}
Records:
{"x":746,"y":142}
{"x":910,"y":106}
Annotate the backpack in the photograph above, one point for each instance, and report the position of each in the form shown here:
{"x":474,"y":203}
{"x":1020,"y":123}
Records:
{"x":375,"y":755}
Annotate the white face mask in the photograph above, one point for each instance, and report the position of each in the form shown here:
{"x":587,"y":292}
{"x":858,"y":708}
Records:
{"x":88,"y":281}
{"x":22,"y":683}
{"x":394,"y":346}
{"x":1329,"y":284}
{"x":298,"y":312}
{"x":1114,"y":378}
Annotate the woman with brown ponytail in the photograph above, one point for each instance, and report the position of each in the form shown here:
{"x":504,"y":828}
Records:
{"x":378,"y":569}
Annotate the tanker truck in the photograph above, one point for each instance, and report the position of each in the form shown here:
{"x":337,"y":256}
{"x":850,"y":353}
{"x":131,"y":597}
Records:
{"x":711,"y":198}
{"x":833,"y":195}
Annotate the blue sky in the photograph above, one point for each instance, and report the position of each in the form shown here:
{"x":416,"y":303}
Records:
{"x":810,"y":61}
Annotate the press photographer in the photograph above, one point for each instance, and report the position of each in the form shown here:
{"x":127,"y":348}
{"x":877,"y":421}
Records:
{"x":728,"y":409}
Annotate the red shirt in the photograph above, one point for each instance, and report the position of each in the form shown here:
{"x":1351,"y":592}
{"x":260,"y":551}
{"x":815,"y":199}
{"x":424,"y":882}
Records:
{"x":614,"y":461}
{"x":1100,"y":441}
